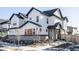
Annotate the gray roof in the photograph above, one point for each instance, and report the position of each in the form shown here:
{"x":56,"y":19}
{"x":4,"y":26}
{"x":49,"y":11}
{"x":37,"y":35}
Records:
{"x":50,"y":12}
{"x":54,"y":26}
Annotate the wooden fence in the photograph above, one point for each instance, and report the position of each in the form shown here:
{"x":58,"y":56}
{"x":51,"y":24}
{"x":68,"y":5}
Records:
{"x":73,"y":38}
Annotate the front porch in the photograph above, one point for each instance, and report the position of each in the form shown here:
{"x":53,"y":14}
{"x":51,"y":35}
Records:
{"x":54,"y":31}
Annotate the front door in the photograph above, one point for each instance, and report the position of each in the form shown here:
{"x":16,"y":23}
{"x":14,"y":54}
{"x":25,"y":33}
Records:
{"x":58,"y":34}
{"x":29,"y":31}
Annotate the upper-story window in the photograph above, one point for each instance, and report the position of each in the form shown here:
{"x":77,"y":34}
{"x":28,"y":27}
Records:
{"x":47,"y":21}
{"x":37,"y":18}
{"x":40,"y":29}
{"x":46,"y":30}
{"x":14,"y":24}
{"x":30,"y":18}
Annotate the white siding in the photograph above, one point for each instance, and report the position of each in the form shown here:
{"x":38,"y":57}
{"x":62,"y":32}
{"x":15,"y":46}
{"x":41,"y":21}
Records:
{"x":28,"y":26}
{"x":12,"y":32}
{"x":22,"y":21}
{"x":74,"y":31}
{"x":42,"y":18}
{"x":42,"y":21}
{"x":65,"y":25}
{"x":15,"y":19}
{"x":5,"y":25}
{"x":53,"y":20}
{"x":57,"y":13}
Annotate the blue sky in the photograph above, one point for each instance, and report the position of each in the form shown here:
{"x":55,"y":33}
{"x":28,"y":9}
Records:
{"x":71,"y":12}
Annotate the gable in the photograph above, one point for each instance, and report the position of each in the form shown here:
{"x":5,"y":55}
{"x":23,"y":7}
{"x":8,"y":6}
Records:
{"x":58,"y":13}
{"x":34,"y":13}
{"x":19,"y":16}
{"x":14,"y":18}
{"x":55,"y":26}
{"x":54,"y":12}
{"x":58,"y":26}
{"x":33,"y":9}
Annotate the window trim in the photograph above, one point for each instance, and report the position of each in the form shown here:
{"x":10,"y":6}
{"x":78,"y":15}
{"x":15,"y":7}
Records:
{"x":30,"y":18}
{"x":37,"y":18}
{"x":14,"y":24}
{"x":46,"y":30}
{"x":40,"y":29}
{"x":47,"y":21}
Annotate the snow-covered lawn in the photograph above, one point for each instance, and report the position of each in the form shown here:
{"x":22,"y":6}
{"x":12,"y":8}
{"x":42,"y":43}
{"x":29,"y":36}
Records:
{"x":33,"y":47}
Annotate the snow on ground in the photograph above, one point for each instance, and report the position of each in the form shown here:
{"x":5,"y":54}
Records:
{"x":58,"y":43}
{"x":37,"y":48}
{"x":33,"y":47}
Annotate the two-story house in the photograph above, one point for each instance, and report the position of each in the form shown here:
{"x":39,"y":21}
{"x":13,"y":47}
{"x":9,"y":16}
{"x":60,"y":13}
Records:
{"x":35,"y":22}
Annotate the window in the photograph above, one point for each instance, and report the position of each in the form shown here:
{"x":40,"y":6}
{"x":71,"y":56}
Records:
{"x":33,"y":31}
{"x":40,"y":29}
{"x":36,"y":28}
{"x":37,"y":18}
{"x":14,"y":24}
{"x":46,"y":30}
{"x":47,"y":21}
{"x":30,"y":18}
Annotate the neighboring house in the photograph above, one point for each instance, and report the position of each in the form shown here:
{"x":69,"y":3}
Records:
{"x":75,"y":30}
{"x":35,"y":22}
{"x":72,"y":30}
{"x":3,"y":28}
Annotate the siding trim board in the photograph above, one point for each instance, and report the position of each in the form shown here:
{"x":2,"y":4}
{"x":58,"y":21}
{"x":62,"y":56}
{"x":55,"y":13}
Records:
{"x":57,"y":17}
{"x":47,"y":13}
{"x":12,"y":16}
{"x":28,"y":35}
{"x":18,"y":15}
{"x":31,"y":10}
{"x":30,"y":22}
{"x":4,"y":22}
{"x":60,"y":13}
{"x":66,"y":19}
{"x":53,"y":10}
{"x":23,"y":15}
{"x":25,"y":24}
